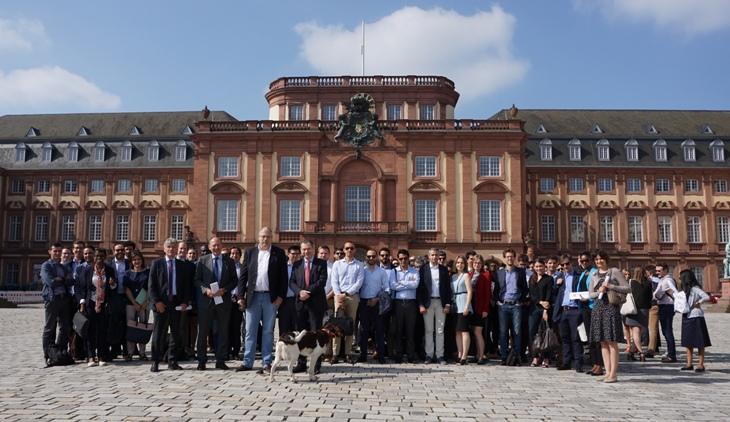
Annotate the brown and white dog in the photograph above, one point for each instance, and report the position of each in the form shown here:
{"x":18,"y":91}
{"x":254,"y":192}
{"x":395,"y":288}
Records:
{"x":305,"y":343}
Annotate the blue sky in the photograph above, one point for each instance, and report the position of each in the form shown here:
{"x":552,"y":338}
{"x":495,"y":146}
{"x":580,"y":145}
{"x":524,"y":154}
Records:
{"x":96,"y":56}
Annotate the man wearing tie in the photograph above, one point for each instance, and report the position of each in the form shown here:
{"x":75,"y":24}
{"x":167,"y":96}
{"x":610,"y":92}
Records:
{"x":261,"y":288}
{"x":307,"y":281}
{"x":287,"y":313}
{"x":169,"y":288}
{"x":214,"y":268}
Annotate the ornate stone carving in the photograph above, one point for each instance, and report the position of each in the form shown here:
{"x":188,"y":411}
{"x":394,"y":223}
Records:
{"x":359,"y":126}
{"x":427,"y":187}
{"x":41,"y":205}
{"x":289,"y":187}
{"x":122,"y":204}
{"x":95,"y":205}
{"x":227,"y":187}
{"x":68,"y":205}
{"x":149,"y":204}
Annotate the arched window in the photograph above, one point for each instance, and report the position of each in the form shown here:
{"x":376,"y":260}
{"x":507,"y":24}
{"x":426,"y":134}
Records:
{"x":574,"y":149}
{"x":718,"y":150}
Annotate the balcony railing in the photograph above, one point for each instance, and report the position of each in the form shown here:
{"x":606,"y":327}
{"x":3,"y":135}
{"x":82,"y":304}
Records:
{"x":375,"y":80}
{"x":357,"y":227}
{"x":385,"y":125}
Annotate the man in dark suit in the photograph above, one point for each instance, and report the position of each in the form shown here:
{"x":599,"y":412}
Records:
{"x":308,"y":280}
{"x":434,"y":303}
{"x":511,"y":292}
{"x":170,"y":287}
{"x":57,"y":285}
{"x":214,"y":268}
{"x":567,"y":314}
{"x":261,"y":288}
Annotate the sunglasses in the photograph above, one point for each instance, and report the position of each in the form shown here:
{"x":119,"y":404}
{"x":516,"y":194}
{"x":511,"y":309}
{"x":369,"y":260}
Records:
{"x":383,"y":256}
{"x":349,"y":248}
{"x":339,"y":253}
{"x":370,"y":256}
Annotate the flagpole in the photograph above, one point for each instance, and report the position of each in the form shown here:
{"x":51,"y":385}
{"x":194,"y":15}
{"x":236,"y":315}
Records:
{"x":362,"y":48}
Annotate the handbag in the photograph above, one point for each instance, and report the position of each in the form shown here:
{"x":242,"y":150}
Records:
{"x":385,"y":302}
{"x":629,"y":307}
{"x":81,"y":324}
{"x":139,"y":332}
{"x":550,"y":341}
{"x":582,"y":333}
{"x":614,"y":297}
{"x":680,"y":303}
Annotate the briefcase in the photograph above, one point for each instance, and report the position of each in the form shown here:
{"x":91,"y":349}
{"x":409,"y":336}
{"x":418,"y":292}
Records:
{"x":139,"y":332}
{"x":81,"y":324}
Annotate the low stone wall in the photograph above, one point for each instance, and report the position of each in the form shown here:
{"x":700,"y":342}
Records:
{"x":20,"y":297}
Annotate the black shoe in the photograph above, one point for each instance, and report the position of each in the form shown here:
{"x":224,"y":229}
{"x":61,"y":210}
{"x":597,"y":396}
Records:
{"x":222,"y":365}
{"x":201,"y":366}
{"x":265,"y":370}
{"x":579,"y":370}
{"x":649,"y":355}
{"x":442,"y":361}
{"x":687,"y":368}
{"x":504,"y":362}
{"x":243,"y":368}
{"x":482,"y":361}
{"x":563,"y":368}
{"x":155,"y":367}
{"x":335,"y":361}
{"x":362,"y":359}
{"x":669,"y":360}
{"x":299,"y":369}
{"x":174,"y":366}
{"x":381,"y":361}
{"x":700,"y":369}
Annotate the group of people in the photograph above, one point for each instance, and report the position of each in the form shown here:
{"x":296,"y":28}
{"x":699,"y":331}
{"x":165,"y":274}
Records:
{"x":420,"y":309}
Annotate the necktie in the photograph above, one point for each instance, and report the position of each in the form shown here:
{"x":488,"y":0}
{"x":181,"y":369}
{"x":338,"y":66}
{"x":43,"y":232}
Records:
{"x":169,"y":279}
{"x":306,"y":274}
{"x":216,"y":270}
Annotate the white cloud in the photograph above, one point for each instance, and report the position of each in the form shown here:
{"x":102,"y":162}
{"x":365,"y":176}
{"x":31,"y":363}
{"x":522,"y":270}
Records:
{"x":51,"y":89}
{"x":474,"y":51}
{"x":689,"y":16}
{"x":20,"y":35}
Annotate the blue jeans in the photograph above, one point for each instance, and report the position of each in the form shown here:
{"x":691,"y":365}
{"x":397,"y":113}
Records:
{"x":666,"y":316}
{"x":510,"y":315}
{"x":259,"y":310}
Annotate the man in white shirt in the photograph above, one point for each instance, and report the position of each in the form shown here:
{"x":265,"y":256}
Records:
{"x":404,"y":282}
{"x":374,"y":284}
{"x":347,"y":279}
{"x":664,"y":294}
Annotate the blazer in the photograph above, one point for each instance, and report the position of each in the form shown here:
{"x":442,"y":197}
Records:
{"x":558,"y":303}
{"x":49,"y":271}
{"x":278,"y":274}
{"x":157,"y":290}
{"x":317,"y":282}
{"x":424,"y":291}
{"x":84,"y":288}
{"x":541,"y":290}
{"x":205,"y":276}
{"x":500,"y":287}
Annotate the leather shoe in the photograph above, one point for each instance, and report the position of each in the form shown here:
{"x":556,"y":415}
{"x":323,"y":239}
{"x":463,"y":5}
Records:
{"x":201,"y":366}
{"x":563,"y":368}
{"x":265,"y":370}
{"x":155,"y":367}
{"x":504,"y":362}
{"x":362,"y":359}
{"x":243,"y":368}
{"x":669,"y":360}
{"x":222,"y":365}
{"x":174,"y":367}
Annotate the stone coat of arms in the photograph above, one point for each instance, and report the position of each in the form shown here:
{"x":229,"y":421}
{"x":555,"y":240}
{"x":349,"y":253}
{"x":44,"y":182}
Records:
{"x":359,"y":126}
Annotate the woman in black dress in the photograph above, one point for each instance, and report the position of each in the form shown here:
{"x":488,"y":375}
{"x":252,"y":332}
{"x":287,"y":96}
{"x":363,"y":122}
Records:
{"x":694,"y":327}
{"x":606,"y":326}
{"x":541,"y":289}
{"x":639,"y":322}
{"x":135,"y":288}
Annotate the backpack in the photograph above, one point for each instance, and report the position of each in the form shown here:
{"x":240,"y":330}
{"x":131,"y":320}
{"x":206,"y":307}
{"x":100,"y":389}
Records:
{"x":58,"y":357}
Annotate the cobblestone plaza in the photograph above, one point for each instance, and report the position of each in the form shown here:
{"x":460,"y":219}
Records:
{"x":128,"y":391}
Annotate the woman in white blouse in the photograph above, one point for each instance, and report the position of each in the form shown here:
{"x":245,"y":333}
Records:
{"x":694,"y":327}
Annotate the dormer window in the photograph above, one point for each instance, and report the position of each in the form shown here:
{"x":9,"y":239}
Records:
{"x":632,"y":150}
{"x":153,"y":151}
{"x":651,"y":130}
{"x":718,"y":150}
{"x":660,"y":150}
{"x":596,"y":129}
{"x":604,"y":151}
{"x":688,"y":150}
{"x":32,"y":132}
{"x":135,"y":131}
{"x":546,"y":150}
{"x":83,"y":131}
{"x":20,"y":152}
{"x":707,"y":130}
{"x":187,"y":130}
{"x":47,"y":152}
{"x":127,"y":151}
{"x":99,"y":152}
{"x":540,"y":129}
{"x":73,"y":152}
{"x":574,"y":149}
{"x":181,"y":151}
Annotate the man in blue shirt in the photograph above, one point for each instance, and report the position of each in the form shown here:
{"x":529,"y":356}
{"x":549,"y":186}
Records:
{"x":404,"y":282}
{"x":374,"y":283}
{"x":511,"y":293}
{"x":567,"y":313}
{"x":347,"y":279}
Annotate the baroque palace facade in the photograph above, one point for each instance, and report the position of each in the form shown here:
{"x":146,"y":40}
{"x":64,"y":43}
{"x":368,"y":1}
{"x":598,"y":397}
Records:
{"x":644,"y":185}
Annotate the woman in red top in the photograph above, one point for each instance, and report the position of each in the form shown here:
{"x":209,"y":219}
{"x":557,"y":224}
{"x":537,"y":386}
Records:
{"x":481,"y":280}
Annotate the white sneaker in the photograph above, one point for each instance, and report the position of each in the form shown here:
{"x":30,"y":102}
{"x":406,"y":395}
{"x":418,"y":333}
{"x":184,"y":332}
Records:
{"x":92,"y":363}
{"x":102,"y":363}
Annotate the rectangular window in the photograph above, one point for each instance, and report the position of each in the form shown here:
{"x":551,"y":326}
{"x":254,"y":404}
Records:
{"x":425,"y":166}
{"x":576,"y":184}
{"x":490,"y":216}
{"x":41,"y":228}
{"x":290,"y":215}
{"x":546,"y":152}
{"x":12,"y":274}
{"x":227,"y":215}
{"x":70,"y":186}
{"x":694,"y":230}
{"x":20,"y":154}
{"x":632,"y":153}
{"x":296,"y":112}
{"x":47,"y":154}
{"x":605,"y":184}
{"x":291,"y":166}
{"x":96,"y":186}
{"x":718,"y":154}
{"x":153,"y":153}
{"x":68,"y":228}
{"x":691,"y":186}
{"x":149,"y":228}
{"x":426,"y":215}
{"x":577,"y":229}
{"x":394,"y":112}
{"x":228,"y":167}
{"x":636,"y":229}
{"x":660,"y":153}
{"x":177,"y":185}
{"x":124,"y":186}
{"x":665,"y":229}
{"x":604,"y":153}
{"x":43,"y":186}
{"x":547,"y":184}
{"x":181,"y":152}
{"x":633,"y":185}
{"x":547,"y":228}
{"x":17,"y":186}
{"x":126,"y":153}
{"x":95,"y":228}
{"x":574,"y":152}
{"x":489,"y":167}
{"x":99,"y":153}
{"x":73,"y":154}
{"x":177,"y":224}
{"x":15,"y":229}
{"x":122,"y":228}
{"x":663,"y":185}
{"x":720,"y":186}
{"x":689,"y":153}
{"x":151,"y":185}
{"x":723,"y":229}
{"x":427,"y":112}
{"x":357,"y":203}
{"x":606,"y":232}
{"x":329,"y":112}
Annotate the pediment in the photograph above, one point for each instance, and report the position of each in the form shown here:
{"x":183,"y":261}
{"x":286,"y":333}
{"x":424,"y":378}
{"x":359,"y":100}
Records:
{"x":122,"y":204}
{"x":15,"y":205}
{"x":426,"y":187}
{"x":548,"y":204}
{"x":607,"y":205}
{"x":177,"y":204}
{"x":227,"y":187}
{"x":636,"y":205}
{"x":95,"y":205}
{"x":490,"y":186}
{"x":578,"y":204}
{"x":665,"y":205}
{"x":722,"y":205}
{"x":68,"y":205}
{"x":41,"y":205}
{"x":290,"y":187}
{"x":150,"y":204}
{"x":695,"y":206}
